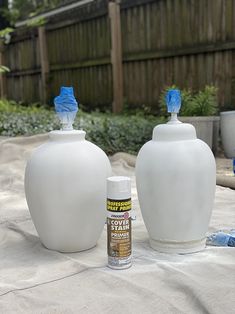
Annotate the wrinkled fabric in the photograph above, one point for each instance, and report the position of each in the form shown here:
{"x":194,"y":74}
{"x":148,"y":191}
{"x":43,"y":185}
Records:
{"x":36,"y":280}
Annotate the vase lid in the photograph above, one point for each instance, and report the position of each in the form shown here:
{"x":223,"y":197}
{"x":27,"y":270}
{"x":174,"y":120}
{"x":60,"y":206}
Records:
{"x":174,"y":130}
{"x":67,"y":136}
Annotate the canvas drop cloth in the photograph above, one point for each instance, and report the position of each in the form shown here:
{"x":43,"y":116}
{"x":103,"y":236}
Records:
{"x":36,"y":280}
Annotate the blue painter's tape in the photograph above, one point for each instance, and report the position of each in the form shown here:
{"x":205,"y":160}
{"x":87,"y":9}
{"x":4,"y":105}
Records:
{"x":66,"y":101}
{"x":173,"y":100}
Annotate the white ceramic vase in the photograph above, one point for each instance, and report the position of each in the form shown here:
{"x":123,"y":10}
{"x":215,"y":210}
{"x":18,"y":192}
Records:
{"x":65,"y":187}
{"x":176,"y":179}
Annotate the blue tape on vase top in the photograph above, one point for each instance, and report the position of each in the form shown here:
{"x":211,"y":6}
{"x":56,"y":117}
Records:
{"x":173,"y":100}
{"x":66,"y":101}
{"x":66,"y":107}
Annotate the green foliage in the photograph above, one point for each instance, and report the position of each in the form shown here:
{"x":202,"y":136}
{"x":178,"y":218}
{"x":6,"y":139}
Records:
{"x":139,"y":110}
{"x":5,"y":36}
{"x":11,"y":15}
{"x":11,"y":106}
{"x":6,"y":31}
{"x":203,"y":103}
{"x":4,"y":69}
{"x":113,"y":133}
{"x":23,"y":9}
{"x":36,"y":22}
{"x":18,"y":119}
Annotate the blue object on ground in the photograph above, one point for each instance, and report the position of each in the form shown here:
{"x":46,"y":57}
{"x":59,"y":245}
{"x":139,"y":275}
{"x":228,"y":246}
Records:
{"x":221,"y":239}
{"x":234,"y":166}
{"x":232,"y":232}
{"x":173,"y":100}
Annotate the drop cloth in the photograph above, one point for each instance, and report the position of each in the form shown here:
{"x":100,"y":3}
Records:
{"x":36,"y":280}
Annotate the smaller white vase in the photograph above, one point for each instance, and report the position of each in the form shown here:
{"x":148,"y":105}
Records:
{"x":65,"y":187}
{"x":227,"y":126}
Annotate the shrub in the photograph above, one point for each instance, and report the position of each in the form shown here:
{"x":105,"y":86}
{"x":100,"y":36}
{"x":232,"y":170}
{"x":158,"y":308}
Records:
{"x":113,"y":133}
{"x":203,"y":103}
{"x":119,"y":133}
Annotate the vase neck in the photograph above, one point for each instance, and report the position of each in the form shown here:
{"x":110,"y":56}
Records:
{"x":74,"y":135}
{"x":174,"y":132}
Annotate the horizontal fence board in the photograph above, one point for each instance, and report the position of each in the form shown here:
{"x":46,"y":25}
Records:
{"x":134,"y":57}
{"x":189,"y":43}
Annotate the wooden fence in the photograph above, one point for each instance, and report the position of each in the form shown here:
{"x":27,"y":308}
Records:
{"x":190,"y":43}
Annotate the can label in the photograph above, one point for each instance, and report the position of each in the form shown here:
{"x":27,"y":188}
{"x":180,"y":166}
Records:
{"x":119,"y":233}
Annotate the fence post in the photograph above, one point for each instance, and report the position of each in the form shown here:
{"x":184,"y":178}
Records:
{"x":116,"y":55}
{"x":44,"y":63}
{"x":2,"y":78}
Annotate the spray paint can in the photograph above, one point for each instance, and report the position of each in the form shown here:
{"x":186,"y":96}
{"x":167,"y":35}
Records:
{"x":119,"y":245}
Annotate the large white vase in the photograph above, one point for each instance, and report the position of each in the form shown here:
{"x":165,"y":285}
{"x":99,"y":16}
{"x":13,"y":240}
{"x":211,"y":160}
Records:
{"x":65,"y":187}
{"x":176,"y":179}
{"x":227,"y":125}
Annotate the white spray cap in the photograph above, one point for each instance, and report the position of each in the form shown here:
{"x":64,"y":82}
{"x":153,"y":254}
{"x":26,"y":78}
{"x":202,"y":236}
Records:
{"x":118,"y":188}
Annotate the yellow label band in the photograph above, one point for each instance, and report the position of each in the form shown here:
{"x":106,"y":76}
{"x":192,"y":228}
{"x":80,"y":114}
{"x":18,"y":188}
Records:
{"x":118,"y":206}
